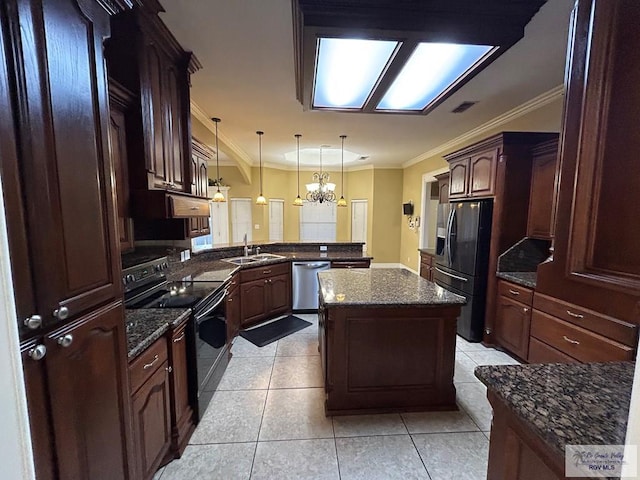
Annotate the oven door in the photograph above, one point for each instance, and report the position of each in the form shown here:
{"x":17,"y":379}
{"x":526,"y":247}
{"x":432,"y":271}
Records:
{"x":210,"y":334}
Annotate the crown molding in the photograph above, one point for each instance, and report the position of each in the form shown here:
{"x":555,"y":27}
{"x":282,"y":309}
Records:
{"x":243,"y":159}
{"x":527,"y":107}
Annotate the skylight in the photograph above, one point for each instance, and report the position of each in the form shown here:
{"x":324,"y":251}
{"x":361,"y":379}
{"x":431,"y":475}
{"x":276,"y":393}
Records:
{"x":430,"y":70}
{"x":348,"y":69}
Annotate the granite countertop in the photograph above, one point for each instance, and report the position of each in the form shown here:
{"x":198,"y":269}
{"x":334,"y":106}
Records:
{"x":202,"y":269}
{"x":526,"y":279}
{"x":146,"y":325}
{"x":575,"y":404}
{"x":395,"y":287}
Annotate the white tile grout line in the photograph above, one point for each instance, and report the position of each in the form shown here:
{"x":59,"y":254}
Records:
{"x":415,"y":447}
{"x":264,"y":407}
{"x":335,"y":447}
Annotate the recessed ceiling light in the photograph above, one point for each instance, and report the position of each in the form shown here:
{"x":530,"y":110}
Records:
{"x":431,"y":69}
{"x":348,"y":69}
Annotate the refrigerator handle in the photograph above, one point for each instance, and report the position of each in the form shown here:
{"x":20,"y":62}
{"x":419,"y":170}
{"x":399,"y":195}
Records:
{"x":448,"y":238}
{"x":451,"y":253}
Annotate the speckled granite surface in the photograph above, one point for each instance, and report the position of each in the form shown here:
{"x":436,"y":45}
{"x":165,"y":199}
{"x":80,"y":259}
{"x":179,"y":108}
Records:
{"x":524,"y":256}
{"x":146,"y":325}
{"x":577,"y":404}
{"x":381,"y":287}
{"x":526,"y":279}
{"x":201,"y":264}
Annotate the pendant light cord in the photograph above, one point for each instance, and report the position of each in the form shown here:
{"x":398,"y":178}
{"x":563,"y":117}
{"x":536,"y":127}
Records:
{"x":298,"y":146}
{"x":216,"y":121}
{"x":260,"y":154}
{"x":342,"y":165}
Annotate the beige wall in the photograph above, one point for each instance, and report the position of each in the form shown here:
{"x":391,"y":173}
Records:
{"x":386,"y":214}
{"x":544,"y":119}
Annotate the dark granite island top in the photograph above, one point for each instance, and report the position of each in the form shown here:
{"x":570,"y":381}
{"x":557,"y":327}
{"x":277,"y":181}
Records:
{"x":387,"y":341}
{"x":557,"y":405}
{"x":392,"y":287}
{"x":146,"y":325}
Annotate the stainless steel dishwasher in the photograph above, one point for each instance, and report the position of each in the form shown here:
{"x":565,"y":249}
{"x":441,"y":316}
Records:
{"x":305,"y":284}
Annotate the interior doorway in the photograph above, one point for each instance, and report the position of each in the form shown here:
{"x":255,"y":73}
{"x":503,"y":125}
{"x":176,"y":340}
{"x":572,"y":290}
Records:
{"x":359,"y":222}
{"x":241,"y":220}
{"x":276,"y":220}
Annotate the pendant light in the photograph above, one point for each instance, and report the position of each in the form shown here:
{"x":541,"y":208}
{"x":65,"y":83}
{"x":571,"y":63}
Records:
{"x":260,"y":200}
{"x":218,"y":197}
{"x":342,"y":202}
{"x":298,"y":201}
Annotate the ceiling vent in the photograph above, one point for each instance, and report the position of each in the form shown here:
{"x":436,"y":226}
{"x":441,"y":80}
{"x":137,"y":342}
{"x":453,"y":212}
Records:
{"x":463,"y":107}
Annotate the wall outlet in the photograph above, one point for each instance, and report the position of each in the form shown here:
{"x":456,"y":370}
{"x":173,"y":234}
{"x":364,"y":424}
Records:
{"x":323,"y":248}
{"x":185,"y":255}
{"x":257,"y":226}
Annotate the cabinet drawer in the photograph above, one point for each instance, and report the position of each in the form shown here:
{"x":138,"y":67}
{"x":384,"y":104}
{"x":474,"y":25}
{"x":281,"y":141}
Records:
{"x":515,"y":292}
{"x":265,"y":271}
{"x":350,"y":263}
{"x":426,"y":258}
{"x":184,"y":207}
{"x":143,"y":367}
{"x":577,"y":342}
{"x":610,"y":327}
{"x":540,"y":352}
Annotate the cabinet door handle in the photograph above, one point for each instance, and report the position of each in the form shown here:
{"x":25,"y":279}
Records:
{"x":193,"y":208}
{"x":169,"y":369}
{"x":38,"y":352}
{"x":176,"y":340}
{"x":33,"y":322}
{"x":230,"y":300}
{"x":266,"y":281}
{"x":573,"y":342}
{"x":514,"y":292}
{"x":61,"y":313}
{"x":574,"y":315}
{"x":266,"y":272}
{"x":149,"y":365}
{"x":65,"y":340}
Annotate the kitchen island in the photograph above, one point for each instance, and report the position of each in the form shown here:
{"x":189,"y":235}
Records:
{"x":387,"y":341}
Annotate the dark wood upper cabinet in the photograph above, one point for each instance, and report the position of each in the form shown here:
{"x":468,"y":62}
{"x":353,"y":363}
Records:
{"x":543,"y":174}
{"x":596,"y":260}
{"x":64,"y":165}
{"x":120,"y":100}
{"x":459,"y":178}
{"x":443,"y":187}
{"x":145,"y":57}
{"x":473,"y":176}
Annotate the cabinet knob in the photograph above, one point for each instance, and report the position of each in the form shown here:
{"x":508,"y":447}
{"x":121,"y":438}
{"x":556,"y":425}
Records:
{"x":525,"y":309}
{"x":169,"y":369}
{"x":266,"y":281}
{"x":38,"y":352}
{"x":61,"y":313}
{"x":65,"y":340}
{"x":230,"y":300}
{"x":33,"y":322}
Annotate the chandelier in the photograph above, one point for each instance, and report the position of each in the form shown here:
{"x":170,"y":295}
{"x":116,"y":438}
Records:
{"x":321,"y":189}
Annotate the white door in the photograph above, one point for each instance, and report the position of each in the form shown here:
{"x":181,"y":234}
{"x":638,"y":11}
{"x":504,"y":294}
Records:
{"x":276,"y":220}
{"x":241,"y":220}
{"x":220,"y":222}
{"x":359,"y":222}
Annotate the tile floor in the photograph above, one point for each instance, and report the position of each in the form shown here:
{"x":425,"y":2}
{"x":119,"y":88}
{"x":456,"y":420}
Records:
{"x":266,"y":421}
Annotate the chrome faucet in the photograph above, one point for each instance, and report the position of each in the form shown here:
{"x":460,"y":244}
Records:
{"x":246,"y":247}
{"x":257,"y":250}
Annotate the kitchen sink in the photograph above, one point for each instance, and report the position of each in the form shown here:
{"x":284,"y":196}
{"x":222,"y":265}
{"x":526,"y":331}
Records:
{"x":251,"y":258}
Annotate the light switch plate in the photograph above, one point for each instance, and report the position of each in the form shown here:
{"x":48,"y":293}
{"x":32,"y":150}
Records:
{"x":257,"y":226}
{"x":323,"y":248}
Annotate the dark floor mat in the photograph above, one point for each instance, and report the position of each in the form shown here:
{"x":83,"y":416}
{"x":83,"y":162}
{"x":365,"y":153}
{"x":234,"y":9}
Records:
{"x":273,"y":331}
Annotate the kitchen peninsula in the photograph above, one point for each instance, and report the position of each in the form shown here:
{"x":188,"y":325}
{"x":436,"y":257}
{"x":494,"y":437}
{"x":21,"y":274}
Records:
{"x":387,"y":341}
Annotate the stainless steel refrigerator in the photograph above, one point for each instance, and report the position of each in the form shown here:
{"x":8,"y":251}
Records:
{"x":462,"y":255}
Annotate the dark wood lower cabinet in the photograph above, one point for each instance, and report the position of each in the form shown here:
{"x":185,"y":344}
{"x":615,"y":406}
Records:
{"x":512,"y":326}
{"x":264,"y":292}
{"x":87,"y":382}
{"x":515,"y":452}
{"x":232,"y":312}
{"x":182,"y":424}
{"x":152,"y":422}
